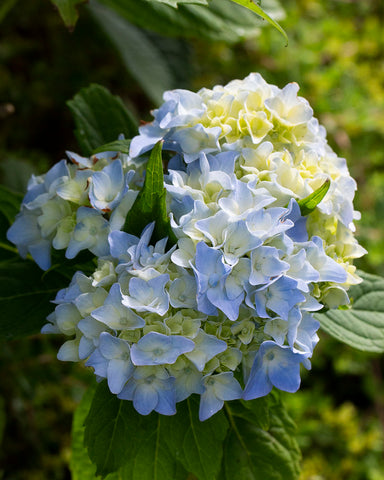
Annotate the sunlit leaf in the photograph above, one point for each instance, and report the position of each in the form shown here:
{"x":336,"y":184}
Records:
{"x":255,"y":7}
{"x":361,"y":326}
{"x":308,"y":204}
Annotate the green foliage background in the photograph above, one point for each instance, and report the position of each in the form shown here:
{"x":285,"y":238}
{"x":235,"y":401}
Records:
{"x":336,"y":54}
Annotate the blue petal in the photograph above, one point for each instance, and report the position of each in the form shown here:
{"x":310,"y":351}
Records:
{"x":118,"y":373}
{"x":99,"y":363}
{"x":145,"y":398}
{"x":209,"y":405}
{"x":258,"y":384}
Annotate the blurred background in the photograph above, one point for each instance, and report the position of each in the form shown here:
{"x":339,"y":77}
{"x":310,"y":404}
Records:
{"x":336,"y":55}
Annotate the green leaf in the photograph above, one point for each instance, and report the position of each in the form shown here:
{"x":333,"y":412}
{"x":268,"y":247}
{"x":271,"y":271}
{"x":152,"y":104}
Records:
{"x":361,"y":326}
{"x":117,"y":146}
{"x":100,"y":118}
{"x":150,"y":458}
{"x":150,"y":204}
{"x":197,"y":445}
{"x":222,"y":20}
{"x":254,"y":453}
{"x":107,"y":431}
{"x":252,"y":5}
{"x":308,"y":204}
{"x":68,"y":11}
{"x":143,"y":59}
{"x":80,"y":464}
{"x":119,"y":438}
{"x":256,"y":411}
{"x":25,"y":295}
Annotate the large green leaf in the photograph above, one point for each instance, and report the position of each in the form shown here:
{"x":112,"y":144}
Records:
{"x":100,"y":118}
{"x":361,"y":326}
{"x":108,"y":431}
{"x":254,"y":453}
{"x":222,"y":20}
{"x":119,"y":438}
{"x":68,"y":10}
{"x":80,"y":464}
{"x":150,"y":458}
{"x":150,"y":204}
{"x":141,"y":56}
{"x":197,"y":445}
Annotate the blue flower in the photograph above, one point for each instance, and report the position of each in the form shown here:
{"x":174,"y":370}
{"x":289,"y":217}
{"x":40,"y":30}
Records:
{"x":112,"y":360}
{"x":158,"y":349}
{"x":276,"y":366}
{"x":218,"y":388}
{"x":107,"y":187}
{"x":91,"y":232}
{"x":280,"y":296}
{"x":116,"y":315}
{"x":151,"y":388}
{"x":148,"y":296}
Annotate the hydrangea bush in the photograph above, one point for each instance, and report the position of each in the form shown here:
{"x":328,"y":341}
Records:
{"x":261,"y":221}
{"x":206,"y":251}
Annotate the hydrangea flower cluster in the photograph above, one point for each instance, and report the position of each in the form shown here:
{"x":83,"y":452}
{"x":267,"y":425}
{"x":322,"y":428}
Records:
{"x":75,"y":205}
{"x":227,"y":312}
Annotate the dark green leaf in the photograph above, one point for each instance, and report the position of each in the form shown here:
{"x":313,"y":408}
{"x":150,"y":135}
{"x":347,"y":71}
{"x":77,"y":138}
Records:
{"x":107,"y":431}
{"x":150,"y":204}
{"x":25,"y":294}
{"x":252,"y":5}
{"x":308,"y":204}
{"x":197,"y":445}
{"x":100,"y":118}
{"x":255,"y":411}
{"x":68,"y":11}
{"x":151,"y":459}
{"x":361,"y":326}
{"x":222,"y":20}
{"x":117,"y":146}
{"x":252,"y":453}
{"x":143,"y":59}
{"x":117,"y":437}
{"x":80,"y":464}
